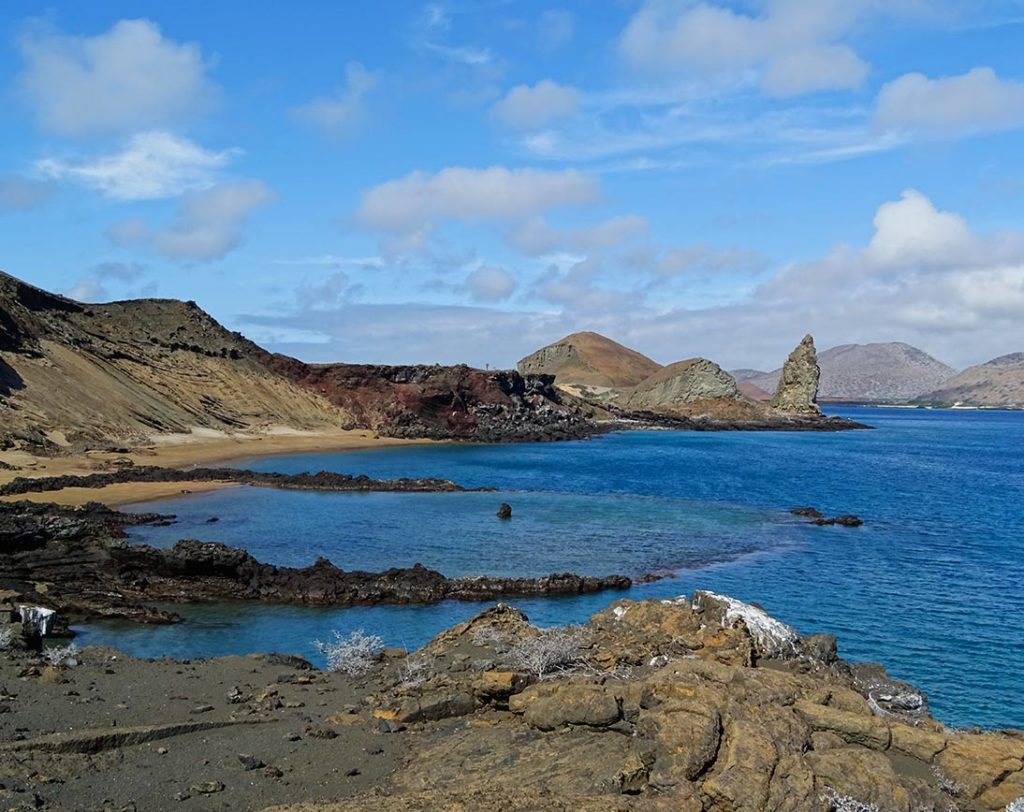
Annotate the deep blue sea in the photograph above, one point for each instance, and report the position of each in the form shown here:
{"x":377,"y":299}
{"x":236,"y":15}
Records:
{"x":932,"y":585}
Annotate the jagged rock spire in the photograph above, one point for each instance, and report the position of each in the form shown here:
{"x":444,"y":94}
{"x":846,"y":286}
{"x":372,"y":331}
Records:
{"x":797,"y":392}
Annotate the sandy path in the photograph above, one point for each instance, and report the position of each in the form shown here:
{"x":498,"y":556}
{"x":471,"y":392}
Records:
{"x":179,"y":451}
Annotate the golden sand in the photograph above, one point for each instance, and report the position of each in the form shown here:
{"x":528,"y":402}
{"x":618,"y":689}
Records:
{"x":179,"y":451}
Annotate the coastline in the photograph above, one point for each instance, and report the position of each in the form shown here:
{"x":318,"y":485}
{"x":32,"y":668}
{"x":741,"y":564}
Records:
{"x":650,"y":705}
{"x":180,"y":451}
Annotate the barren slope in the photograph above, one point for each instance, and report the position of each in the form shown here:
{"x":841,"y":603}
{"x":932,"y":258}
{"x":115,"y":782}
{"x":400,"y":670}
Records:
{"x":590,"y":359}
{"x":124,"y":370}
{"x":1000,"y":382}
{"x":879,"y":373}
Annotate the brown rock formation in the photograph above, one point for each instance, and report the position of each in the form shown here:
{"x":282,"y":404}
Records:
{"x":589,"y":359}
{"x":74,"y":375}
{"x":891,"y":372}
{"x":703,"y":704}
{"x":690,"y":388}
{"x":441,"y":402}
{"x":797,"y":392}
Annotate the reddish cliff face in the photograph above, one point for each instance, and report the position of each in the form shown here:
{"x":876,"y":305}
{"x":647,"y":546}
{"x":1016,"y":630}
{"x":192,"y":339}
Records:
{"x":440,"y":401}
{"x":124,"y":371}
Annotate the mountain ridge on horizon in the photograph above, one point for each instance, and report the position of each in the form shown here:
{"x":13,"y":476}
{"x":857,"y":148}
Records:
{"x":874,"y":372}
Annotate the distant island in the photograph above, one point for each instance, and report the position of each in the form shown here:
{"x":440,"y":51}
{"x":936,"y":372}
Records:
{"x":897,"y":373}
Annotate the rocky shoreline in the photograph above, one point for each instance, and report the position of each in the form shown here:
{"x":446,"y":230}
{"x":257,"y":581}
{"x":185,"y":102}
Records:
{"x":651,"y":420}
{"x":690,"y":705}
{"x":321,"y":481}
{"x":77,"y":562}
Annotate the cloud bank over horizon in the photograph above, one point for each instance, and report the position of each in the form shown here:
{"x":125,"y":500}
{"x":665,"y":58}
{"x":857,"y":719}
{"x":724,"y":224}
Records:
{"x":711,"y":178}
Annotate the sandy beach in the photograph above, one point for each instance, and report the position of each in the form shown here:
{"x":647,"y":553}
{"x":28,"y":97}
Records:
{"x":178,"y":451}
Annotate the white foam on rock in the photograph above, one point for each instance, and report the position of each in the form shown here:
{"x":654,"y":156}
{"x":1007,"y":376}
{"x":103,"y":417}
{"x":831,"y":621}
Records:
{"x":771,"y":636}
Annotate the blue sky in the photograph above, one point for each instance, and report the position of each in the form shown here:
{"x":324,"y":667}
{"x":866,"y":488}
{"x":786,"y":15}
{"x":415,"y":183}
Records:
{"x":421,"y":182}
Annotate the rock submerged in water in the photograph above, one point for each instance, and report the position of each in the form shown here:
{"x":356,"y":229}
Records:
{"x":505,"y":511}
{"x":820,"y":519}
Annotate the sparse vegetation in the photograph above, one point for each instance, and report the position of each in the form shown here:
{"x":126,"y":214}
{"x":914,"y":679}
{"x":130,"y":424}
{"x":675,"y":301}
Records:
{"x":351,"y":654}
{"x":493,"y":637}
{"x":552,"y":650}
{"x":416,"y":669}
{"x":6,"y":637}
{"x":844,"y":803}
{"x":58,"y":656}
{"x":948,"y":785}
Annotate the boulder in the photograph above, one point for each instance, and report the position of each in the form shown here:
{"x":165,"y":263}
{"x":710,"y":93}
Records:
{"x":854,"y":728}
{"x":554,"y":705}
{"x":686,"y":740}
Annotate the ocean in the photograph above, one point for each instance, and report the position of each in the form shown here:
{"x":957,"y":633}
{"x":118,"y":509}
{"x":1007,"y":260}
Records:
{"x":932,"y":585}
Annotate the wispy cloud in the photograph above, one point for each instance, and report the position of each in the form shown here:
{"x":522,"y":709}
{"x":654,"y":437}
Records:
{"x":149,"y":166}
{"x":341,"y":114}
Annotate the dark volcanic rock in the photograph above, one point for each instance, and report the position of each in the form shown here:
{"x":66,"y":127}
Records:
{"x":820,"y":519}
{"x":505,"y":511}
{"x":321,"y":481}
{"x":442,"y":402}
{"x":90,"y":570}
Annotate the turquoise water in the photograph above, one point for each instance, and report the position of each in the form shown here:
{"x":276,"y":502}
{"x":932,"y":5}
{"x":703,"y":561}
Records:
{"x":932,"y":585}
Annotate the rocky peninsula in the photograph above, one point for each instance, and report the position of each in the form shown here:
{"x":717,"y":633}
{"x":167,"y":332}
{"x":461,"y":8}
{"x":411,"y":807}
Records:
{"x":691,"y":705}
{"x":77,"y":563}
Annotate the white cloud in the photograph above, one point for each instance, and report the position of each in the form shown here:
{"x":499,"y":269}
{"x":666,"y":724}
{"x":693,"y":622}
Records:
{"x":126,"y":78}
{"x":556,"y":28}
{"x":974,"y":101}
{"x":925,"y":277}
{"x":339,"y":116}
{"x":93,"y":287}
{"x":794,"y":43}
{"x":814,"y":68}
{"x":379,"y":333}
{"x":536,"y":238}
{"x":530,"y":108}
{"x":912,"y":232}
{"x":418,"y":200}
{"x":18,"y":193}
{"x":490,"y":284}
{"x":151,"y":165}
{"x":207,"y":226}
{"x":892,"y":288}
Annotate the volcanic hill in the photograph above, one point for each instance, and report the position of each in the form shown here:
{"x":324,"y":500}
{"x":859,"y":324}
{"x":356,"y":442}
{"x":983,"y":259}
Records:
{"x":590,"y":359}
{"x":84,"y":375}
{"x":999,"y":382}
{"x":891,"y":372}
